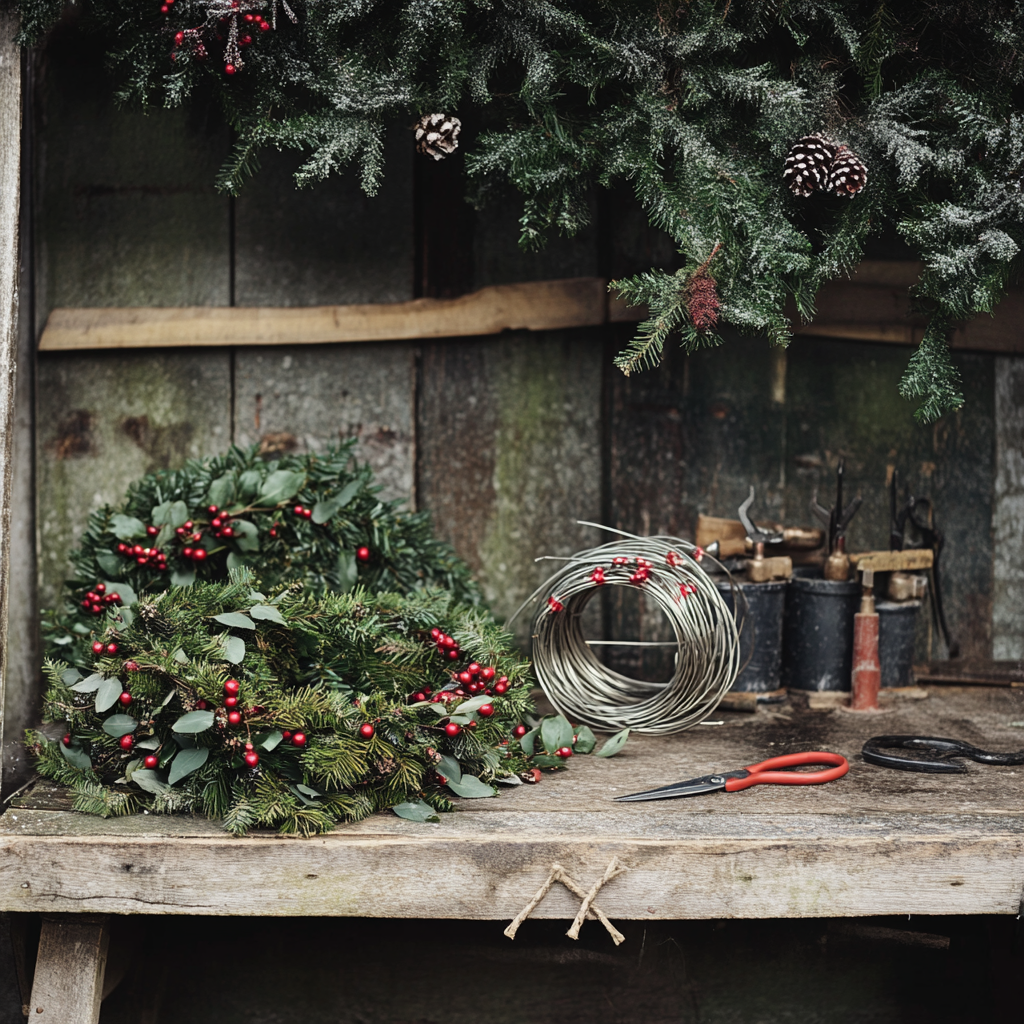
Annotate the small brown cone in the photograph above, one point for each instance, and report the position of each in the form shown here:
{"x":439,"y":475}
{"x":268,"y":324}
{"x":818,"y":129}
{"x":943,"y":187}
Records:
{"x":437,"y":135}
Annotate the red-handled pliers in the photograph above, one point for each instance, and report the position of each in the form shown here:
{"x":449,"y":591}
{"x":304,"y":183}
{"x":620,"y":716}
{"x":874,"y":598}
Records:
{"x":755,"y":775}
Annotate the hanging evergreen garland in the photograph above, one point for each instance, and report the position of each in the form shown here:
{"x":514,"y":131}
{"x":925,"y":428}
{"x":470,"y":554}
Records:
{"x":919,"y":107}
{"x":310,"y":518}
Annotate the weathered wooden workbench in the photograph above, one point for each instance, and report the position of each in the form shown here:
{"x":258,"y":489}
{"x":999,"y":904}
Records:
{"x":876,"y":842}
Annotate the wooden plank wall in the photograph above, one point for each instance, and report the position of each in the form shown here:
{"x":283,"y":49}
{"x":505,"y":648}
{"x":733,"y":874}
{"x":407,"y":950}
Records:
{"x":508,"y":439}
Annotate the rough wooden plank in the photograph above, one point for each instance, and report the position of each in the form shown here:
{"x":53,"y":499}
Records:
{"x":329,"y":243}
{"x":299,"y":399}
{"x":532,"y":306}
{"x":127,"y":211}
{"x":70,"y":967}
{"x":10,"y":202}
{"x":509,"y":453}
{"x":1008,"y":512}
{"x":876,"y":842}
{"x":106,"y":419}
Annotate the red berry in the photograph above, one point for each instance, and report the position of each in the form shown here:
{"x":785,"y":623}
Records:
{"x":127,"y":742}
{"x":307,"y":513}
{"x":187,"y":525}
{"x":519,"y":730}
{"x":234,"y":717}
{"x":500,"y":687}
{"x":297,"y":510}
{"x":453,"y":729}
{"x":487,"y":710}
{"x":97,"y":647}
{"x":366,"y":730}
{"x":435,"y":634}
{"x":95,"y":609}
{"x":465,"y":677}
{"x":188,"y":552}
{"x":125,"y":698}
{"x":453,"y":655}
{"x":249,"y":17}
{"x":217,"y":523}
{"x":564,"y":752}
{"x":179,"y":38}
{"x":131,"y":666}
{"x":363,"y":554}
{"x":417,"y":697}
{"x":151,"y":760}
{"x":201,"y":705}
{"x":122,"y":548}
{"x":473,"y":687}
{"x":298,"y":739}
{"x":229,"y":69}
{"x":100,"y":588}
{"x":448,"y":641}
{"x":555,"y":605}
{"x":227,"y":532}
{"x":231,"y":686}
{"x":67,"y":739}
{"x":473,"y":668}
{"x":286,"y":735}
{"x":152,"y":531}
{"x":111,"y":648}
{"x":212,"y":509}
{"x":230,"y":702}
{"x":141,"y":561}
{"x":252,"y":758}
{"x":137,"y":550}
{"x":273,"y":533}
{"x":264,"y":26}
{"x":115,"y":598}
{"x":488,"y":673}
{"x":199,"y":554}
{"x":164,"y":8}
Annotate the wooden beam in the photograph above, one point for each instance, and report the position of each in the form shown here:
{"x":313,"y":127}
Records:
{"x":70,"y":967}
{"x":531,"y":305}
{"x":10,"y":200}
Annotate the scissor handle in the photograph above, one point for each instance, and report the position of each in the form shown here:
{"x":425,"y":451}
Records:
{"x":762,"y":773}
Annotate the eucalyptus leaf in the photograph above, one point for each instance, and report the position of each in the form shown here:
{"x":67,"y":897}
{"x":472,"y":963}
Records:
{"x":221,"y":491}
{"x":70,"y":676}
{"x":461,"y":719}
{"x":234,"y":649}
{"x":529,"y":740}
{"x":267,"y":612}
{"x":109,"y":562}
{"x":167,"y":700}
{"x":148,"y":780}
{"x":127,"y":527}
{"x":107,"y":693}
{"x":183,"y":577}
{"x":547,"y":761}
{"x":247,"y":537}
{"x":270,"y":740}
{"x":449,"y":767}
{"x":186,"y":762}
{"x":125,"y":617}
{"x":325,"y":510}
{"x":119,"y":725}
{"x":613,"y":745}
{"x":555,"y":732}
{"x":249,"y":483}
{"x":74,"y":754}
{"x":180,"y":656}
{"x":124,"y":590}
{"x":467,"y":707}
{"x":235,"y":619}
{"x":346,"y":570}
{"x":281,"y":485}
{"x":237,"y":561}
{"x":470,"y":787}
{"x":193,"y":721}
{"x":149,"y":743}
{"x":89,"y":684}
{"x":60,"y":641}
{"x":416,"y":810}
{"x":585,"y":740}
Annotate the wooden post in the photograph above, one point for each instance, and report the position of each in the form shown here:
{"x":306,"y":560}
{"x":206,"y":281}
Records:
{"x":70,"y":968}
{"x":10,"y":198}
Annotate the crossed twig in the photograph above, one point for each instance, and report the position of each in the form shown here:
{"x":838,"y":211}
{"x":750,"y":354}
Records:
{"x":587,"y":908}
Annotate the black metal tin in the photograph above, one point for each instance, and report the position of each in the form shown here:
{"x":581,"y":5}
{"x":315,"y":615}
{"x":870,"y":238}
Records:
{"x":760,"y":633}
{"x":817,"y":635}
{"x":897,"y":630}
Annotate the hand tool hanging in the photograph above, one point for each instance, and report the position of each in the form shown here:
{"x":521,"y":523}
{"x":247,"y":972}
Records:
{"x":921,"y":514}
{"x":836,"y":520}
{"x":754,"y":775}
{"x":944,"y":753}
{"x":761,"y":569}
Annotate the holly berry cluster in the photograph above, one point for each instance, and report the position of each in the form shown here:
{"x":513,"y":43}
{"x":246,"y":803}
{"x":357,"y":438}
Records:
{"x":97,"y":599}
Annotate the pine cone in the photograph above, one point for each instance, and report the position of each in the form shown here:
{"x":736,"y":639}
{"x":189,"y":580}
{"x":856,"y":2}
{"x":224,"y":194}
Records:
{"x":437,"y":135}
{"x":807,"y":164}
{"x":848,"y":175}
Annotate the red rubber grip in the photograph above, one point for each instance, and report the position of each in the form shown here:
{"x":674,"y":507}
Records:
{"x":762,"y":773}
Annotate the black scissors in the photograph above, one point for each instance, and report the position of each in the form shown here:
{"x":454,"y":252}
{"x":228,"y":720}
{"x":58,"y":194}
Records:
{"x":755,"y":775}
{"x":942,"y":754}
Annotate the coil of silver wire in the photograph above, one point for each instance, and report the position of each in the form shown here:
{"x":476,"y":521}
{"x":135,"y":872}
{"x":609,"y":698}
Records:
{"x":669,"y":571}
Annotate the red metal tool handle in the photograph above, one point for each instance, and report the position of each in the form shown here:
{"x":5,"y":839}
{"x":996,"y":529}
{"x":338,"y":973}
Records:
{"x":761,"y":773}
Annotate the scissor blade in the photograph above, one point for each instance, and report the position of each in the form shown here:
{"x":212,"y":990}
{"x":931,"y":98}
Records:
{"x":692,"y":787}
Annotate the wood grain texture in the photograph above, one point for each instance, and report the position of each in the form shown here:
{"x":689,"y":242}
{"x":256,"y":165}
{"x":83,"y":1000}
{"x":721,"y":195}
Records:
{"x":106,"y":419}
{"x":304,"y":399}
{"x":533,"y":306}
{"x":70,"y":966}
{"x":1008,"y":511}
{"x":10,"y":204}
{"x":509,"y":454}
{"x":876,"y":842}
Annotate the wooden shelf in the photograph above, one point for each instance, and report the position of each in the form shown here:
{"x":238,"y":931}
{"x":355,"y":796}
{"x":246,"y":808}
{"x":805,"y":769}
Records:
{"x":875,"y":842}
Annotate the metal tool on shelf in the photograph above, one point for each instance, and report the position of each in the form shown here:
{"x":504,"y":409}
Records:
{"x":836,"y":520}
{"x":766,"y":772}
{"x":762,"y":568}
{"x":942,"y":754}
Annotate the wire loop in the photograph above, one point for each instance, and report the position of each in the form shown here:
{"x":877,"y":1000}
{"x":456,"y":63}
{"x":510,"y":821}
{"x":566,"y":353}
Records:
{"x":706,"y":637}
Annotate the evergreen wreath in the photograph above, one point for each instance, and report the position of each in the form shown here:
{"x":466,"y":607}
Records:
{"x":696,"y":104}
{"x":314,"y":518}
{"x":296,"y":712}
